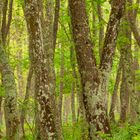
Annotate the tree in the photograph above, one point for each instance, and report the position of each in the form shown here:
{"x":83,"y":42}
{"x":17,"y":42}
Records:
{"x":115,"y":91}
{"x":43,"y":92}
{"x":94,"y":80}
{"x":8,"y":79}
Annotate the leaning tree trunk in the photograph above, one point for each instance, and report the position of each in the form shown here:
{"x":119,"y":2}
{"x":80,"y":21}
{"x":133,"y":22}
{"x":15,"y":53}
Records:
{"x":42,"y":78}
{"x":26,"y":100}
{"x":94,"y":81}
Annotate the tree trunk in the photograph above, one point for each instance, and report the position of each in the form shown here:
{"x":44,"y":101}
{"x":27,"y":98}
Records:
{"x":133,"y":24}
{"x":127,"y":85}
{"x":50,"y":29}
{"x":101,"y":31}
{"x":20,"y":74}
{"x":94,"y":82}
{"x":43,"y":78}
{"x":8,"y":79}
{"x":114,"y":96}
{"x":73,"y":103}
{"x":137,"y":81}
{"x":26,"y":99}
{"x":76,"y":76}
{"x":67,"y":109}
{"x":94,"y":32}
{"x":61,"y":85}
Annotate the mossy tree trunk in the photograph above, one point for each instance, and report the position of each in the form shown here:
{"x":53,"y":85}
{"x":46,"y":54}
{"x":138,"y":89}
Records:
{"x":50,"y":28}
{"x":43,"y":84}
{"x":61,"y":87}
{"x":8,"y":79}
{"x":127,"y":86}
{"x":115,"y":91}
{"x":94,"y":80}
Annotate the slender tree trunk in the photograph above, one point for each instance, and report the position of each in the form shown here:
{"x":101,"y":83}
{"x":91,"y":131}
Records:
{"x":1,"y":115}
{"x":8,"y":79}
{"x":20,"y":74}
{"x":133,"y":24}
{"x":43,"y":78}
{"x":94,"y":81}
{"x":101,"y":31}
{"x":76,"y":76}
{"x":66,"y":108}
{"x":134,"y":98}
{"x":10,"y":105}
{"x":73,"y":103}
{"x":74,"y":82}
{"x":0,"y":69}
{"x":137,"y":80}
{"x":94,"y":32}
{"x":61,"y":85}
{"x":114,"y":96}
{"x":26,"y":99}
{"x":50,"y":35}
{"x":127,"y":85}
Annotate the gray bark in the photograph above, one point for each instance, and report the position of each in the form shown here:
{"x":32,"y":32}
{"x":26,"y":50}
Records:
{"x":94,"y":81}
{"x":50,"y":29}
{"x":43,"y":84}
{"x":8,"y":79}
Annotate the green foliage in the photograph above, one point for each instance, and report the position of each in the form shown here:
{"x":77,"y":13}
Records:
{"x":134,"y":6}
{"x":2,"y":91}
{"x":126,"y":132}
{"x":100,"y":1}
{"x":76,"y":132}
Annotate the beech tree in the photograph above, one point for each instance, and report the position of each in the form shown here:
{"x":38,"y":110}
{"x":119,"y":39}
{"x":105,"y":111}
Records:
{"x":43,"y":93}
{"x":8,"y":79}
{"x":62,"y":76}
{"x":94,"y":80}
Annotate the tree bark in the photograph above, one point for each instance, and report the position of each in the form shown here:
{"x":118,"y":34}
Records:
{"x":136,"y":81}
{"x":133,"y":24}
{"x":20,"y":74}
{"x":50,"y":29}
{"x":62,"y":71}
{"x":43,"y":84}
{"x":73,"y":103}
{"x":8,"y":79}
{"x":101,"y":31}
{"x":94,"y":32}
{"x":114,"y":96}
{"x":94,"y":81}
{"x":25,"y":102}
{"x":127,"y":85}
